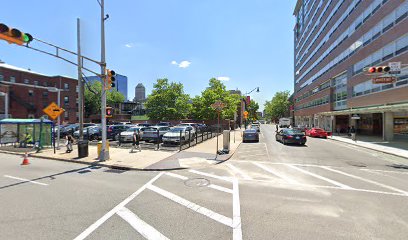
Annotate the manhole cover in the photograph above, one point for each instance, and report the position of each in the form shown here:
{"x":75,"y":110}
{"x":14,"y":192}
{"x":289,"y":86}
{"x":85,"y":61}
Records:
{"x":357,"y":164}
{"x":197,"y":182}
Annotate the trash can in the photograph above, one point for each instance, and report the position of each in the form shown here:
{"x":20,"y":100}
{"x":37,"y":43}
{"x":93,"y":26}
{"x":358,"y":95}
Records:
{"x":100,"y":147}
{"x":83,"y":149}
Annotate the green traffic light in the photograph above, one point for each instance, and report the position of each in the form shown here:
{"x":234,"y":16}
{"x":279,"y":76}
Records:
{"x":27,"y":38}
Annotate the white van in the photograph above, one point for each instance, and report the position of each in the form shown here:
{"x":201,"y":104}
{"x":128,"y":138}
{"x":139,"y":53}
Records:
{"x":284,"y":122}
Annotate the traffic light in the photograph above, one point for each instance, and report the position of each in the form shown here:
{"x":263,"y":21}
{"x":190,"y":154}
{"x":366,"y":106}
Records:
{"x":379,"y":69}
{"x":109,"y":112}
{"x":12,"y":35}
{"x":110,"y":77}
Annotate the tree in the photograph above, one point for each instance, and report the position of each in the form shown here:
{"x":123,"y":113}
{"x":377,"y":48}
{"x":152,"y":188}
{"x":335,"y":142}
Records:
{"x":168,"y":101}
{"x":215,"y":92}
{"x":252,"y":110}
{"x":278,"y":106}
{"x":92,"y":98}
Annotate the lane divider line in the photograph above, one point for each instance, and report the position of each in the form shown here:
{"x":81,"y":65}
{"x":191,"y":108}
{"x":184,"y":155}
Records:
{"x":236,"y":212}
{"x":282,"y":176}
{"x":118,"y":207}
{"x":196,"y":208}
{"x":25,"y":180}
{"x":320,"y":177}
{"x":366,"y":180}
{"x":239,"y":171}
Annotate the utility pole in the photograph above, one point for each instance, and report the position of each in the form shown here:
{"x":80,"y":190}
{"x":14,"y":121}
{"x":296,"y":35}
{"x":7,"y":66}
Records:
{"x":104,"y":155}
{"x":80,"y":84}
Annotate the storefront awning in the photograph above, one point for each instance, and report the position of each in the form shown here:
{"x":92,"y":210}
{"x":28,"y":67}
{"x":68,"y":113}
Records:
{"x":374,"y":109}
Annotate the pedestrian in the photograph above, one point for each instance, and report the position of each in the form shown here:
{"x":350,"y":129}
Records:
{"x":277,"y":127}
{"x":26,"y":140}
{"x":135,"y":141}
{"x":69,"y":142}
{"x":353,"y":133}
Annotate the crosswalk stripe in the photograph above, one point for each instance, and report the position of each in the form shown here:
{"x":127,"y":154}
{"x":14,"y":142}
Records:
{"x":176,"y":176}
{"x":213,"y":186}
{"x":197,"y":208}
{"x":139,"y":225}
{"x":366,"y":180}
{"x":319,"y":177}
{"x":284,"y":177}
{"x":239,"y":171}
{"x":224,"y":178}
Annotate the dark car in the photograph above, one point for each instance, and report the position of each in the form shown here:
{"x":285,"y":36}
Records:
{"x":250,"y":135}
{"x":114,"y":130}
{"x":287,"y":136}
{"x":164,"y":124}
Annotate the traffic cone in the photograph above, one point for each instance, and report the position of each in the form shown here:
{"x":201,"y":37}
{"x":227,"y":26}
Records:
{"x":25,"y":160}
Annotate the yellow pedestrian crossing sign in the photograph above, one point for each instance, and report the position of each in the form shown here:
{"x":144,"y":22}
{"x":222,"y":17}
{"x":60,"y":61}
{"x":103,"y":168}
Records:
{"x":53,"y":110}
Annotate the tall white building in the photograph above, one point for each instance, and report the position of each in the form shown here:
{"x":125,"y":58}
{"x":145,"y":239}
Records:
{"x":140,"y":93}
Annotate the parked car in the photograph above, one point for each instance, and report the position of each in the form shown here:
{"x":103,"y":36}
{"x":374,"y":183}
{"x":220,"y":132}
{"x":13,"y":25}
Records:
{"x":127,"y":136}
{"x":114,"y":130}
{"x":144,"y":125}
{"x":316,"y":132}
{"x":250,"y":135}
{"x":201,"y":127}
{"x":256,"y":126}
{"x":150,"y":133}
{"x":95,"y":133}
{"x":284,"y":122}
{"x":173,"y":135}
{"x":164,"y":124}
{"x":287,"y":135}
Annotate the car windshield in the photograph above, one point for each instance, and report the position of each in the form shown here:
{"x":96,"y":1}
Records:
{"x":150,"y":129}
{"x":250,"y":130}
{"x":132,"y":129}
{"x":293,"y":131}
{"x":177,"y":129}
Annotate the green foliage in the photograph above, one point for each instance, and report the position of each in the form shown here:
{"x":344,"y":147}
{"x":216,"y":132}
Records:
{"x":278,"y":106}
{"x":168,"y":101}
{"x":252,"y":109}
{"x":92,"y":98}
{"x":216,"y":91}
{"x":140,"y":118}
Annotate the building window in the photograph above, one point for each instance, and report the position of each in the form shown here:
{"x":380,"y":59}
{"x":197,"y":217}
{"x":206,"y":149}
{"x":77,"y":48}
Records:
{"x":66,"y":100}
{"x":30,"y":93}
{"x":66,"y":86}
{"x":26,"y":81}
{"x":45,"y":94}
{"x":45,"y":84}
{"x":1,"y":77}
{"x":12,"y":79}
{"x":66,"y":115}
{"x":36,"y":83}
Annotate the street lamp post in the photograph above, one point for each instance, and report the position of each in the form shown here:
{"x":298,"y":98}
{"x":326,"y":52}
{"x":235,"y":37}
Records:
{"x":54,"y":89}
{"x":246,"y":107}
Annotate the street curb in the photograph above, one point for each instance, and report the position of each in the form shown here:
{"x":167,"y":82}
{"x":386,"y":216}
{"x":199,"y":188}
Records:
{"x":374,"y":149}
{"x":229,"y":157}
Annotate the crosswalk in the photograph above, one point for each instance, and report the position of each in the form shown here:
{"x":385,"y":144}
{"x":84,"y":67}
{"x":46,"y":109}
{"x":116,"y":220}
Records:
{"x":318,"y":176}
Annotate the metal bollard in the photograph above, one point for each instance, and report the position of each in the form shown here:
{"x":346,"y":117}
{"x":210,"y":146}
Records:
{"x":158,"y":139}
{"x":196,"y":137}
{"x":202,"y":137}
{"x":180,"y":140}
{"x":189,"y":138}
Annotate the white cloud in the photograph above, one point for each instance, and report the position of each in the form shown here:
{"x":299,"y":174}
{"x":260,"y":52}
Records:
{"x":129,"y":45}
{"x":184,"y":64}
{"x":174,"y":62}
{"x":226,"y":79}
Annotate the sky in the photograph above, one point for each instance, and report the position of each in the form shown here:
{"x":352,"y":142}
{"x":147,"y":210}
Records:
{"x":244,"y":43}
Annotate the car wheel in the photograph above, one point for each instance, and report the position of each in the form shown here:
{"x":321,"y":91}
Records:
{"x":302,"y":144}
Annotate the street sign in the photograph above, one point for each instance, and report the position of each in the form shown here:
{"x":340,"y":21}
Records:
{"x":53,"y":110}
{"x":218,"y":105}
{"x":381,"y":80}
{"x":355,"y":116}
{"x":395,"y":67}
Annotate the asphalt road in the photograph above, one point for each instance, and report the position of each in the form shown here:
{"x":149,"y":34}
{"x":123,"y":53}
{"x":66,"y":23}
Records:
{"x":325,"y":190}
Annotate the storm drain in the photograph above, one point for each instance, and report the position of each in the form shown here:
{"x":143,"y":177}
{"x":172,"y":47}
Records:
{"x":197,"y":182}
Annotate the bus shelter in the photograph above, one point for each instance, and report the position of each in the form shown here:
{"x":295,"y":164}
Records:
{"x":15,"y":131}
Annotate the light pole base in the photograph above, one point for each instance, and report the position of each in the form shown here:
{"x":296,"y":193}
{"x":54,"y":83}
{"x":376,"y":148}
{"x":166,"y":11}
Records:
{"x":104,"y":156}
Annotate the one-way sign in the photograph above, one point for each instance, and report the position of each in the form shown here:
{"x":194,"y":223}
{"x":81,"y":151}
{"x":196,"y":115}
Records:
{"x":395,"y":67}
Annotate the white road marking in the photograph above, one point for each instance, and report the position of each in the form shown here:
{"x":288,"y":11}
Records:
{"x":139,"y":225}
{"x":384,"y":171}
{"x":239,"y":171}
{"x":282,"y":176}
{"x":109,"y":214}
{"x":267,"y":151}
{"x":26,"y":180}
{"x":176,"y":176}
{"x":225,"y":178}
{"x":236,"y":212}
{"x":220,"y":188}
{"x":319,"y":177}
{"x":199,"y":209}
{"x":366,"y":180}
{"x":213,"y":186}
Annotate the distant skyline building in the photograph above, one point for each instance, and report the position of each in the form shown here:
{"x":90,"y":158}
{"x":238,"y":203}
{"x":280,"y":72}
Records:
{"x":121,"y":84}
{"x":140,"y":93}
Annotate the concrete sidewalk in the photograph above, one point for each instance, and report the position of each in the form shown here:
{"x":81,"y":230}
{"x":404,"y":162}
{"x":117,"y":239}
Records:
{"x":396,"y":148}
{"x":200,"y":155}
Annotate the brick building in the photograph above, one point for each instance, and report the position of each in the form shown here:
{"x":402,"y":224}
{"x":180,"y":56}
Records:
{"x":334,"y":42}
{"x":30,"y":92}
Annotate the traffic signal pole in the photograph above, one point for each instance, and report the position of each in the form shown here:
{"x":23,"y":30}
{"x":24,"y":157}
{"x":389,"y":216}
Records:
{"x":80,"y":84}
{"x":104,"y":155}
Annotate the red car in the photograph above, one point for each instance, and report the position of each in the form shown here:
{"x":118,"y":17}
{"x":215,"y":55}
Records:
{"x":316,"y":132}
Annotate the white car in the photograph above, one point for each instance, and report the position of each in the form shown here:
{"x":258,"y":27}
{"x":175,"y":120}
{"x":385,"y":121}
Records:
{"x":187,"y":133}
{"x":127,"y":136}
